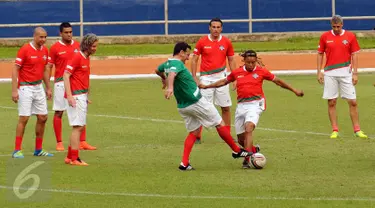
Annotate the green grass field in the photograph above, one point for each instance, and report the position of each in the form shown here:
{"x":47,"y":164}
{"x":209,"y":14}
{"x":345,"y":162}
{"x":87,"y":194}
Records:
{"x":140,"y":139}
{"x":291,"y":44}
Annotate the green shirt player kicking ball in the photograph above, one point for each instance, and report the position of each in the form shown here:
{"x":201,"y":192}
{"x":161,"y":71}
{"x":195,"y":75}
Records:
{"x":193,"y":108}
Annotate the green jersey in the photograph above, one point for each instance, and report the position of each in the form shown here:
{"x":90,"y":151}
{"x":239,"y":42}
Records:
{"x":185,"y":88}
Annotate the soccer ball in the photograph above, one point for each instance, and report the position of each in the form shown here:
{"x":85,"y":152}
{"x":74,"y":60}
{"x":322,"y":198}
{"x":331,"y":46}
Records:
{"x":257,"y":161}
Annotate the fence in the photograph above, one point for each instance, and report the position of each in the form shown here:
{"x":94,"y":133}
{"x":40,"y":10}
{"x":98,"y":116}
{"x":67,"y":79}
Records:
{"x":165,"y":17}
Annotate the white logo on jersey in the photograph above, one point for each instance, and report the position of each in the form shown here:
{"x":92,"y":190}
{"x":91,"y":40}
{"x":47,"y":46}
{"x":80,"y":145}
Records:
{"x":44,"y":57}
{"x":222,"y":48}
{"x":255,"y":76}
{"x":33,"y":57}
{"x":75,"y":51}
{"x":62,"y":52}
{"x":84,"y":67}
{"x":240,"y":76}
{"x":207,"y":47}
{"x":329,"y":41}
{"x":345,"y":42}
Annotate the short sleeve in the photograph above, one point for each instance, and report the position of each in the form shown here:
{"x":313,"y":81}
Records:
{"x":267,"y":75}
{"x":322,"y":44}
{"x":198,"y":48}
{"x":21,"y":56}
{"x":72,"y":65}
{"x":230,"y":51}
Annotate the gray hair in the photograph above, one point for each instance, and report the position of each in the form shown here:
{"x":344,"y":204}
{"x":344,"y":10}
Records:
{"x":337,"y":19}
{"x":87,"y":41}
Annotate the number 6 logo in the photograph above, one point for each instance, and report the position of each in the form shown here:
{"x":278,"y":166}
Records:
{"x":23,"y":177}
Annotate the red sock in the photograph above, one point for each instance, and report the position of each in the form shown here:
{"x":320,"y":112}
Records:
{"x":57,"y":126}
{"x":228,"y":128}
{"x":253,"y":149}
{"x":225,"y":135}
{"x":335,"y":128}
{"x":82,"y":138}
{"x":188,"y":146}
{"x":69,"y":156}
{"x":200,"y":132}
{"x":74,"y":154}
{"x":18,"y":143}
{"x":38,"y":143}
{"x":356,"y":128}
{"x":248,"y":157}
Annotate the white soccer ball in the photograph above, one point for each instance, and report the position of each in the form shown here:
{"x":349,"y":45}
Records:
{"x":257,"y":160}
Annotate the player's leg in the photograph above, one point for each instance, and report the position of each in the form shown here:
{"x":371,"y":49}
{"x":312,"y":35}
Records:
{"x":208,"y":116}
{"x":40,"y":109}
{"x":24,"y":113}
{"x":83,"y":145}
{"x":77,"y":119}
{"x":59,"y":106}
{"x":222,"y":98}
{"x":208,"y":94}
{"x":193,"y":127}
{"x":331,"y":92}
{"x":348,"y":92}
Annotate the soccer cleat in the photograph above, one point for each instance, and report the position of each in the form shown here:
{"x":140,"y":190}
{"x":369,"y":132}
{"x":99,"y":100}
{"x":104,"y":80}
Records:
{"x":17,"y":154}
{"x":257,"y":147}
{"x":198,"y":141}
{"x":185,"y":168}
{"x":241,"y":153}
{"x":360,"y":134}
{"x":67,"y":160}
{"x":60,"y":146}
{"x":78,"y":162}
{"x":334,"y":135}
{"x":85,"y":146}
{"x":246,"y":163}
{"x":42,"y":153}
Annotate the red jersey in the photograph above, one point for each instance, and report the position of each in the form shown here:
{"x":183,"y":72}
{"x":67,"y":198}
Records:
{"x":338,"y":50}
{"x":214,"y":54}
{"x":60,"y":54}
{"x":79,"y":68}
{"x":32,"y":62}
{"x":250,"y":84}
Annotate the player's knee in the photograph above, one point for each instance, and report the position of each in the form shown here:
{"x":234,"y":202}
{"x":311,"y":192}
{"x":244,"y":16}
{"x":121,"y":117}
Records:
{"x":249,"y":127}
{"x":352,"y":103}
{"x":23,"y":119}
{"x":59,"y":114}
{"x":225,"y":109}
{"x":42,"y":118}
{"x":332,"y":103}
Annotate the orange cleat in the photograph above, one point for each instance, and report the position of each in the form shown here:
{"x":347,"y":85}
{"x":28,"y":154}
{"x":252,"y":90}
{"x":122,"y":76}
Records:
{"x":60,"y":146}
{"x":78,"y":162}
{"x":85,"y":146}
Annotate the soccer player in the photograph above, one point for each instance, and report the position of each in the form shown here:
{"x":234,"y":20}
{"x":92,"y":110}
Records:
{"x":340,"y":72}
{"x":194,"y":109}
{"x":27,"y":90}
{"x":214,"y":50}
{"x":60,"y":53}
{"x":76,"y":83}
{"x":250,"y":97}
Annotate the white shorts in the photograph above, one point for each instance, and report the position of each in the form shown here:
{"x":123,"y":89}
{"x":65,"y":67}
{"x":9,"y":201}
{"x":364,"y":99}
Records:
{"x":248,"y":112}
{"x":32,"y":100}
{"x":332,"y":86}
{"x":59,"y":102}
{"x":77,"y":115}
{"x":219,"y":96}
{"x":200,"y":113}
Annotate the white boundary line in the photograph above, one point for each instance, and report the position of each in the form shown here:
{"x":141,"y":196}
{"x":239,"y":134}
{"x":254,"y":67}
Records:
{"x":137,"y":76}
{"x":171,"y":196}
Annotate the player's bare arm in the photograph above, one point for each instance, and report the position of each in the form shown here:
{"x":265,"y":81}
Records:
{"x":15,"y":71}
{"x":194,"y":67}
{"x":170,"y":80}
{"x":355,"y":68}
{"x":163,"y":78}
{"x":68,"y":90}
{"x":319,"y":68}
{"x":287,"y":86}
{"x":217,"y":84}
{"x":47,"y":83}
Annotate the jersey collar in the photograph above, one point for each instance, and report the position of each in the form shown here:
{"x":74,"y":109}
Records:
{"x":84,"y":56}
{"x":62,"y":43}
{"x":342,"y":33}
{"x":244,"y":68}
{"x":31,"y":44}
{"x":209,"y":37}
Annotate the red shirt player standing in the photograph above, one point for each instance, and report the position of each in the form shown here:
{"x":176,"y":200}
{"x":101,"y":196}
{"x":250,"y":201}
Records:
{"x":27,"y":90}
{"x":250,"y":97}
{"x":340,"y":72}
{"x":214,"y":50}
{"x":60,"y":53}
{"x":76,"y":82}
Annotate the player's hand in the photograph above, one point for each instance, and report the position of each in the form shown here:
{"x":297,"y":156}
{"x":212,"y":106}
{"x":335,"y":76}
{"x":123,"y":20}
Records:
{"x":355,"y":79}
{"x":89,"y":101}
{"x":72,"y":101}
{"x":168,"y":93}
{"x":202,"y":86}
{"x":15,"y":96}
{"x":320,"y":78}
{"x":299,"y":93}
{"x":164,"y":82}
{"x":196,"y":80}
{"x":49,"y":94}
{"x":234,"y":86}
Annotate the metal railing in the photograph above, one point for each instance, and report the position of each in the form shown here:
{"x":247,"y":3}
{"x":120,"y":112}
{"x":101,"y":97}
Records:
{"x":166,"y":21}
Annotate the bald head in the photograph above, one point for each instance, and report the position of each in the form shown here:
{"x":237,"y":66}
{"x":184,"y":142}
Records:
{"x":40,"y":36}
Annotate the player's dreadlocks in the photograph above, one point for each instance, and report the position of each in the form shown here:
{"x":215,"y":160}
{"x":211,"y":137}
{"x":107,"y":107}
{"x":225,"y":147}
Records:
{"x":251,"y":53}
{"x":87,"y":41}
